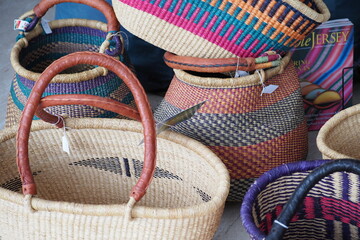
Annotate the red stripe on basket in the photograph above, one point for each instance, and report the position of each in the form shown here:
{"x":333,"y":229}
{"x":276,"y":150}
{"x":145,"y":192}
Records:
{"x":252,"y":161}
{"x":309,"y":204}
{"x":345,"y":211}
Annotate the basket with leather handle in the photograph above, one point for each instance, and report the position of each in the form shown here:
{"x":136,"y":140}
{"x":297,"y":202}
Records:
{"x":250,"y":131}
{"x":35,"y":50}
{"x":316,"y":200}
{"x":218,"y":29}
{"x":85,"y":194}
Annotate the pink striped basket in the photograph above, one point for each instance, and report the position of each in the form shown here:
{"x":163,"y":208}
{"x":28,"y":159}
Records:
{"x":214,"y":28}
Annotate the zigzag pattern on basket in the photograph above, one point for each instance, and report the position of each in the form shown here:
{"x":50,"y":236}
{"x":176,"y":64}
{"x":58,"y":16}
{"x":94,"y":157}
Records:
{"x":244,"y":28}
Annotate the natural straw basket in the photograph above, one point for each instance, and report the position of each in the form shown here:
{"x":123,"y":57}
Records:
{"x":85,"y":195}
{"x":305,"y":200}
{"x":339,"y":137}
{"x":251,"y":132}
{"x":216,"y":29}
{"x":35,"y":50}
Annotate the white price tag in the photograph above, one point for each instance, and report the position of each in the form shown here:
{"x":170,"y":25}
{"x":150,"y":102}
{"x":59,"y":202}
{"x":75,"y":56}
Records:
{"x":65,"y":144}
{"x":269,"y":89}
{"x":45,"y":25}
{"x":20,"y":24}
{"x":240,"y":73}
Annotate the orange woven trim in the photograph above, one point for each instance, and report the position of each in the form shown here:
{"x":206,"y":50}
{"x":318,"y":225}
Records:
{"x":252,"y":161}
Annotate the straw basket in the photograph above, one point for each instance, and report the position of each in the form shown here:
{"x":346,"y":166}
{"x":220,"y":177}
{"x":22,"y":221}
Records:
{"x":339,"y":136}
{"x":35,"y":50}
{"x":215,"y":29}
{"x":315,"y":200}
{"x":250,"y":131}
{"x":85,"y":194}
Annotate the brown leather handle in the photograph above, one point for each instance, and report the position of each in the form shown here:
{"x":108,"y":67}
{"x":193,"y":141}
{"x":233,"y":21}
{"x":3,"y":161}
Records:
{"x":143,"y":106}
{"x":82,"y":99}
{"x":112,"y":23}
{"x":218,"y":65}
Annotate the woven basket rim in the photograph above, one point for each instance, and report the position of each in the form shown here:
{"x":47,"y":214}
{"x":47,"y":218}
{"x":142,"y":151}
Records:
{"x":329,"y":126}
{"x":119,"y":209}
{"x":60,"y":78}
{"x":246,"y":81}
{"x":262,"y":182}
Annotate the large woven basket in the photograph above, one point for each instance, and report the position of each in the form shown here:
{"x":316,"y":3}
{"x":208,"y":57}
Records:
{"x":85,"y":194}
{"x":251,"y":132}
{"x":35,"y":50}
{"x":339,"y":137}
{"x":317,"y":200}
{"x":217,"y":29}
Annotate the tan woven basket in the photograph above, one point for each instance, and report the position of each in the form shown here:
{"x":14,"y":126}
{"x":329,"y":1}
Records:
{"x":85,"y":195}
{"x":339,"y":137}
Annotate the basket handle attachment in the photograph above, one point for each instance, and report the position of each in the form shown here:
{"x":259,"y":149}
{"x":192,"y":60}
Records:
{"x":143,"y":106}
{"x":218,"y":65}
{"x":340,"y":165}
{"x":113,"y":25}
{"x":82,"y":99}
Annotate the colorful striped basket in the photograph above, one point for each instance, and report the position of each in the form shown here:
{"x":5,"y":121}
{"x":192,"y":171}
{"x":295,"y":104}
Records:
{"x":339,"y":137}
{"x":314,"y":200}
{"x":35,"y":50}
{"x":84,"y":195}
{"x":216,"y":29}
{"x":251,"y":132}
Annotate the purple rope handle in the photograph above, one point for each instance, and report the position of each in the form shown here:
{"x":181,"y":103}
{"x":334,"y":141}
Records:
{"x":32,"y":24}
{"x":261,"y":183}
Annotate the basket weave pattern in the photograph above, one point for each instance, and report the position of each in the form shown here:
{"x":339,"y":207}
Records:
{"x":220,"y":28}
{"x":249,"y":132}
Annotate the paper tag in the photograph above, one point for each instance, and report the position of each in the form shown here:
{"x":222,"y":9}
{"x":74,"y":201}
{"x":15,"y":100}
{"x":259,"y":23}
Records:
{"x":240,"y":73}
{"x":20,"y":24}
{"x":45,"y":25}
{"x":269,"y":89}
{"x":65,"y":144}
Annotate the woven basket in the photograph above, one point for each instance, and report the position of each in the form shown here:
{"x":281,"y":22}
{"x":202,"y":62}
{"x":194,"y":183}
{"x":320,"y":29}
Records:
{"x":35,"y":50}
{"x":339,"y":136}
{"x":250,"y":132}
{"x":315,"y":200}
{"x":215,"y":29}
{"x":85,"y":194}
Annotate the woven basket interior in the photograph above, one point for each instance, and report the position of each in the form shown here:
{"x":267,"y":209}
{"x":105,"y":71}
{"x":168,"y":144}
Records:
{"x":105,"y":164}
{"x":44,"y":49}
{"x":330,"y":210}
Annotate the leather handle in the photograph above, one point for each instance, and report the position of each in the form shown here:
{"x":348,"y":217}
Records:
{"x":218,"y":65}
{"x":112,"y":23}
{"x":143,"y":106}
{"x":82,"y":99}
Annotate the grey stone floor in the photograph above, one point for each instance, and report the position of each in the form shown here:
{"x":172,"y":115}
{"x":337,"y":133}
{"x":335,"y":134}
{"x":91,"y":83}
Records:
{"x":230,"y":228}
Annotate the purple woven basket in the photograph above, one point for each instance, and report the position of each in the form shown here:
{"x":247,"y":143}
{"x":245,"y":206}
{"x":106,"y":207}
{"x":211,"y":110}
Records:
{"x":330,"y":210}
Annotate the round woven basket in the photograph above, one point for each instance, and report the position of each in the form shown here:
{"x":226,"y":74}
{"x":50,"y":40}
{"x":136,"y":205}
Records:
{"x":35,"y":50}
{"x":305,"y":200}
{"x":108,"y":186}
{"x":215,"y":29}
{"x":339,"y":137}
{"x":251,"y":132}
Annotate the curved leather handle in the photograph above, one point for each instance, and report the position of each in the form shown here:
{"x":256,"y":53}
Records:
{"x":82,"y":99}
{"x":340,"y":165}
{"x":112,"y":23}
{"x":143,"y":106}
{"x":214,"y":65}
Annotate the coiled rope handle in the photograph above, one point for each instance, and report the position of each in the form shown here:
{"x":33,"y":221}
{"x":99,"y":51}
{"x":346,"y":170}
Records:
{"x":348,"y":165}
{"x":113,"y":25}
{"x":144,"y":113}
